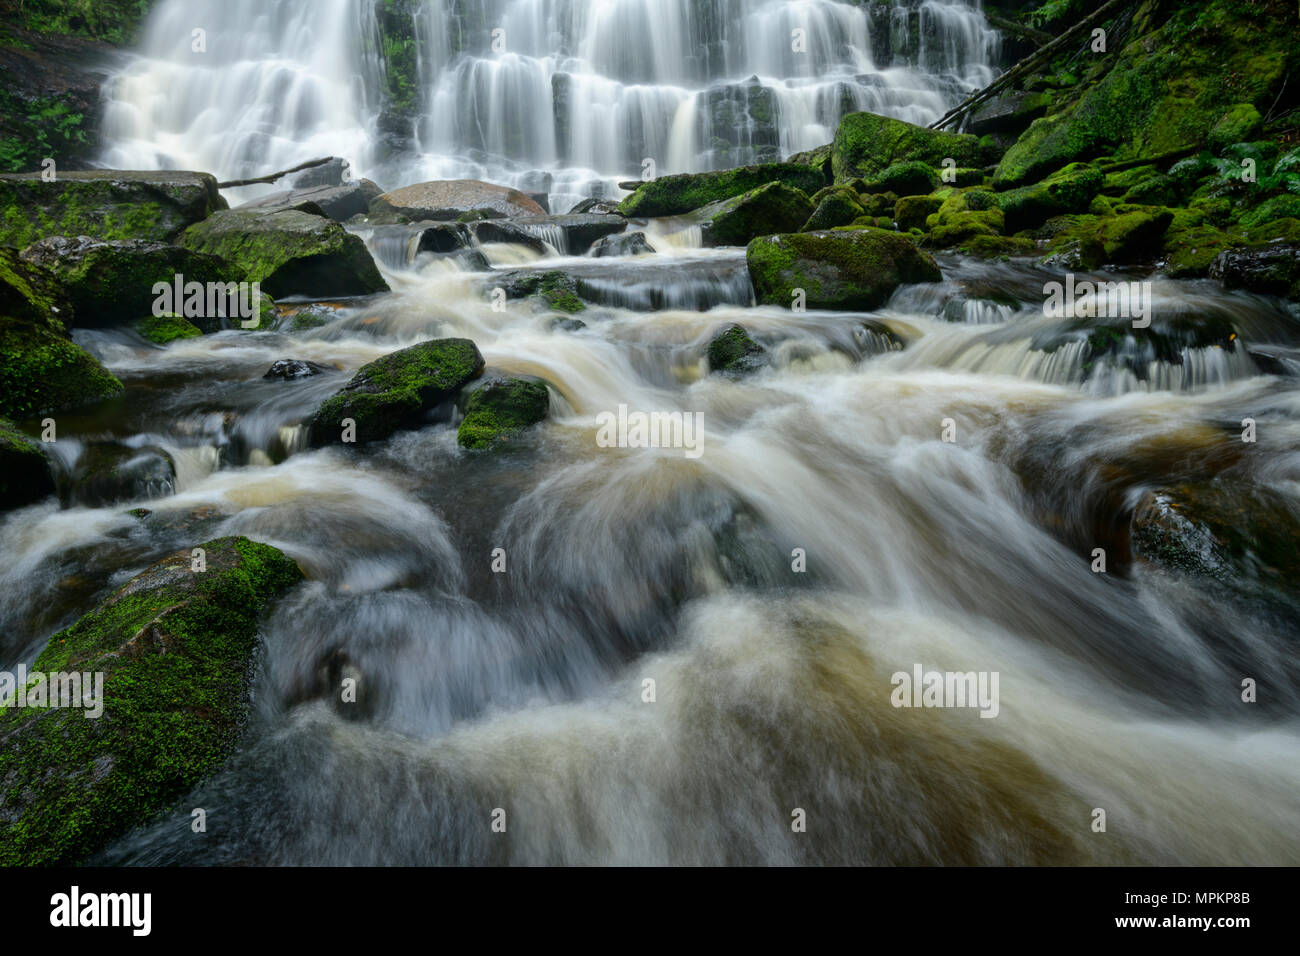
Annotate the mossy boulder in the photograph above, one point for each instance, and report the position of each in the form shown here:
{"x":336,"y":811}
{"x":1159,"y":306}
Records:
{"x":819,"y":159}
{"x":112,"y":281}
{"x":500,"y":408}
{"x":773,"y":207}
{"x":167,"y":328}
{"x":904,"y":179}
{"x":997,"y":247}
{"x":956,"y":222}
{"x":1189,"y":253}
{"x":911,"y":212}
{"x":866,"y":144}
{"x":674,"y":195}
{"x":838,"y":206}
{"x":41,"y":369}
{"x":733,"y":350}
{"x":25,"y":474}
{"x":288,"y":252}
{"x":394,"y":391}
{"x":836,"y":269}
{"x":554,"y":289}
{"x":1068,"y":190}
{"x":105,"y":204}
{"x":176,"y":648}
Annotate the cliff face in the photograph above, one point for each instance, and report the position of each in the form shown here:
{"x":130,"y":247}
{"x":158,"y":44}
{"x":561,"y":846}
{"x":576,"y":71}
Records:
{"x":54,"y":57}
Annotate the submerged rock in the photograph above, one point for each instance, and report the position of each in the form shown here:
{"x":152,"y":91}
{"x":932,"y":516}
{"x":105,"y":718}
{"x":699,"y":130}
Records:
{"x":674,"y":195}
{"x":106,"y":204}
{"x":41,"y":369}
{"x":866,"y":144}
{"x":109,"y":473}
{"x":290,"y":369}
{"x":771,"y":208}
{"x":396,"y":390}
{"x":555,"y":289}
{"x":25,"y":474}
{"x":625,"y":244}
{"x":288,"y":252}
{"x":450,"y":199}
{"x":176,"y":648}
{"x":733,"y":350}
{"x":839,"y":269}
{"x":501,"y":407}
{"x":112,"y":281}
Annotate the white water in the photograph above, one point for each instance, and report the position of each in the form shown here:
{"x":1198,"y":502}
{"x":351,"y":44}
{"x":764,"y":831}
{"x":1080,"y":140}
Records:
{"x":287,"y":81}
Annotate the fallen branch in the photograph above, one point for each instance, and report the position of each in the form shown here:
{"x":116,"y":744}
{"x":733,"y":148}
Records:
{"x":273,"y":176}
{"x":1017,"y":29}
{"x":1034,"y":59}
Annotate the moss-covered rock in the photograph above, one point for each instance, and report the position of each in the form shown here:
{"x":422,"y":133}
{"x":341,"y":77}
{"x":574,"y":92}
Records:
{"x":112,"y":281}
{"x":25,"y":474}
{"x":733,"y":350}
{"x":866,"y":144}
{"x":819,"y":159}
{"x":1068,"y":190}
{"x":909,"y":178}
{"x":1181,"y":69}
{"x":774,"y":207}
{"x":838,"y":206}
{"x":997,"y":247}
{"x":1240,"y":124}
{"x":394,"y":391}
{"x":674,"y":195}
{"x":499,"y":408}
{"x":911,"y":212}
{"x":956,"y":222}
{"x":553,"y":289}
{"x":104,"y":204}
{"x":288,"y":252}
{"x":836,"y":269}
{"x":176,"y":649}
{"x":1190,"y":252}
{"x":163,"y":329}
{"x":110,"y":473}
{"x":41,"y":369}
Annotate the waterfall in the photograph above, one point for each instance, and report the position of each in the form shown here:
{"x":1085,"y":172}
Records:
{"x":571,"y":96}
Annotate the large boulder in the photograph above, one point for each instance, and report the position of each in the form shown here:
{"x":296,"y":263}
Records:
{"x":288,"y":252}
{"x":25,"y":474}
{"x":338,"y":202}
{"x":448,"y":199}
{"x":396,"y":390}
{"x":176,"y":647}
{"x":836,"y":269}
{"x":1272,"y":269}
{"x":41,"y":369}
{"x":111,"y":281}
{"x":866,"y":144}
{"x":771,"y":208}
{"x":1068,"y":190}
{"x":105,"y":204}
{"x":501,"y":407}
{"x":674,"y":195}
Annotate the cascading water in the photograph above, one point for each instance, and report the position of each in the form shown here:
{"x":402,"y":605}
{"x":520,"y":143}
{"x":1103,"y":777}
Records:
{"x":525,"y":690}
{"x":565,"y":96}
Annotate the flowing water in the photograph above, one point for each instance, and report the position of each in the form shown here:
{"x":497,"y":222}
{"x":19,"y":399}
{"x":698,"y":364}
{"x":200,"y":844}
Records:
{"x":526,"y":690}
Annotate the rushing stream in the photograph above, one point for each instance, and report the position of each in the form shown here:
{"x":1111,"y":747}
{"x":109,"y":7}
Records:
{"x":524,"y":690}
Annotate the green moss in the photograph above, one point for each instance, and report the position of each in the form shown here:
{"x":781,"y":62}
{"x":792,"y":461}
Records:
{"x":774,"y":207}
{"x":114,"y":21}
{"x":25,"y":474}
{"x":838,"y":206}
{"x":501,"y":408}
{"x":673,"y":195}
{"x":912,"y":211}
{"x":41,"y":372}
{"x":176,"y":648}
{"x":1069,"y":190}
{"x":161,"y":329}
{"x":849,"y":269}
{"x":867,"y":144}
{"x":909,"y":178}
{"x":391,"y":392}
{"x":734,"y":350}
{"x":289,"y":252}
